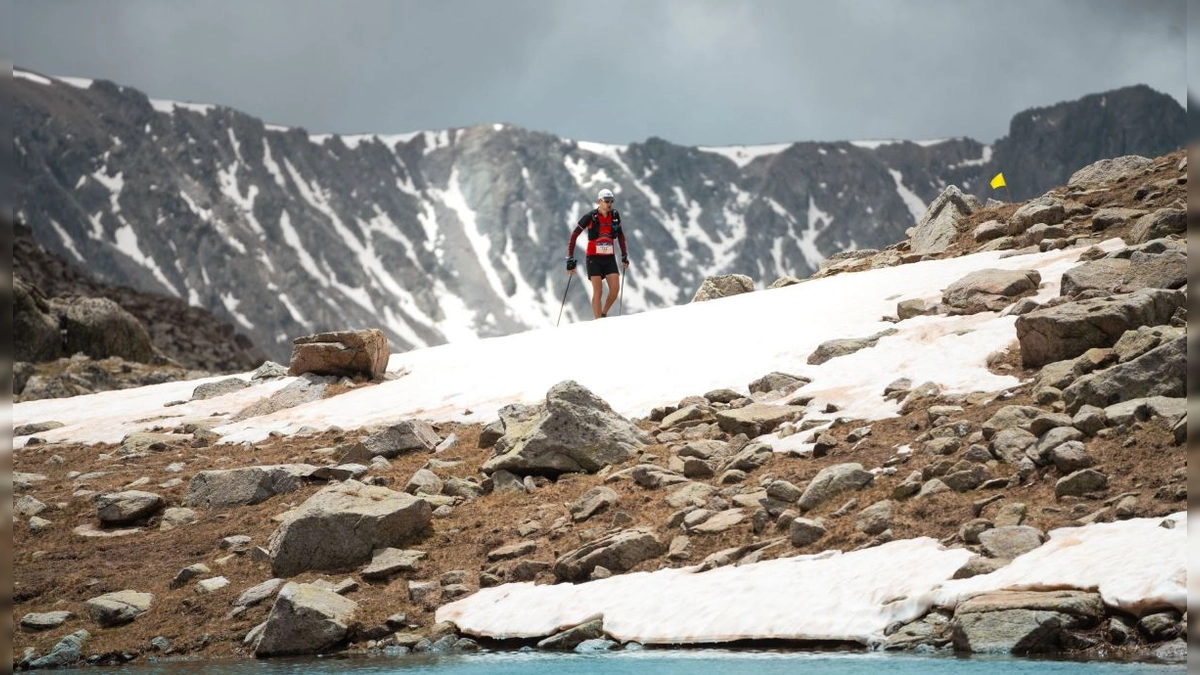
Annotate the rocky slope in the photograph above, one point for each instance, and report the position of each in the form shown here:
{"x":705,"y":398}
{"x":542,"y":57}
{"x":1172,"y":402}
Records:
{"x":74,"y":334}
{"x":190,"y":535}
{"x":439,"y":235}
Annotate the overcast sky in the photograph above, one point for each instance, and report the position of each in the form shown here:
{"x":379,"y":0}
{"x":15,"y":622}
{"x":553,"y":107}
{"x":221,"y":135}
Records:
{"x":695,"y":72}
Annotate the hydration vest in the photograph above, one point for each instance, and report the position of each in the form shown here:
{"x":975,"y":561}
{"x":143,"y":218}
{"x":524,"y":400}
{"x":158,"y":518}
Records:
{"x":594,"y":226}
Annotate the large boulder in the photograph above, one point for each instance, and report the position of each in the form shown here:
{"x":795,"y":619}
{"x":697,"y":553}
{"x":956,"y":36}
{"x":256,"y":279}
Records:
{"x":990,"y":290}
{"x":1022,"y":622}
{"x":938,"y":227}
{"x":1162,"y":371}
{"x":349,"y":353}
{"x":100,"y":328}
{"x":129,"y":506}
{"x":1109,"y":170}
{"x":1123,"y":275}
{"x":723,"y":286}
{"x":36,"y":336}
{"x":1067,"y":330}
{"x":242,"y":487}
{"x":1044,"y":210}
{"x":616,"y":552}
{"x":573,"y":431}
{"x":340,"y":526}
{"x":1161,"y":223}
{"x":305,"y":619}
{"x":832,"y":481}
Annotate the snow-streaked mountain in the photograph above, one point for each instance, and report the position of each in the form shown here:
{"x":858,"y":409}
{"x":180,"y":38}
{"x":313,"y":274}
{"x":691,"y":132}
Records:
{"x":450,"y":235}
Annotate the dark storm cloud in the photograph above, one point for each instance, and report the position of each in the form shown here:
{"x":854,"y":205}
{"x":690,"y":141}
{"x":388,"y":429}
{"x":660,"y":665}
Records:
{"x":700,"y":72}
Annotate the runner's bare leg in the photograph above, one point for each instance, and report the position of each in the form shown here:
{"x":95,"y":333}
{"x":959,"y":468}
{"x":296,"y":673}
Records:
{"x":614,"y":281}
{"x":596,"y":296}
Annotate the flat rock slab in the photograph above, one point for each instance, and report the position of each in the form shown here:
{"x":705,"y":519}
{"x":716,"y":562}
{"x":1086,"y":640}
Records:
{"x":241,"y":487}
{"x":720,"y":522}
{"x":121,"y":607}
{"x":90,"y":530}
{"x":389,"y":561}
{"x":257,"y":593}
{"x":44,"y":620}
{"x":517,"y":550}
{"x":757,"y":419}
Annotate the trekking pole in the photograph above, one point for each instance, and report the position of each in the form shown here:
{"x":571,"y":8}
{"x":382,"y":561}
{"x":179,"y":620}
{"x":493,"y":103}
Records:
{"x":564,"y":300}
{"x":621,"y":294}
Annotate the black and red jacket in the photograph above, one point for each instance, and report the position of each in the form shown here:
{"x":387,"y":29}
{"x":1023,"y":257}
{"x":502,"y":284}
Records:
{"x":602,"y":230}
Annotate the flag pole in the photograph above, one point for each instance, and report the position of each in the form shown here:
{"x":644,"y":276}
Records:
{"x":999,"y":182}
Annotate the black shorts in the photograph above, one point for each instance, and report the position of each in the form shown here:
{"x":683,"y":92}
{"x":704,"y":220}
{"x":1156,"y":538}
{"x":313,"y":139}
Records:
{"x":601,"y":265}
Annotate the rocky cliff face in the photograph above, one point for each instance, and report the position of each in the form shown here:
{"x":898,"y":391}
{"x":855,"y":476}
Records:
{"x":460,"y":233}
{"x":1044,"y":146}
{"x":188,"y":336}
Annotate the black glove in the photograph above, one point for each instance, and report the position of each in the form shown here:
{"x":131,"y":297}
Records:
{"x":624,"y":260}
{"x":570,"y":264}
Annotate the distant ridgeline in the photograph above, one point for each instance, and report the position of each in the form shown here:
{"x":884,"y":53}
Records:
{"x":441,"y":235}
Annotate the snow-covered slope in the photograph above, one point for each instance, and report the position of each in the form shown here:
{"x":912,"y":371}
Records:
{"x":634,"y":362}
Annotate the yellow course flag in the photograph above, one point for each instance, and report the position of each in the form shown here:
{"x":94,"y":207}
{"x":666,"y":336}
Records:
{"x":998,"y":181}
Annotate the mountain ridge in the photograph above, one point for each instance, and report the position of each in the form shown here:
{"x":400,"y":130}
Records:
{"x":454,"y":234}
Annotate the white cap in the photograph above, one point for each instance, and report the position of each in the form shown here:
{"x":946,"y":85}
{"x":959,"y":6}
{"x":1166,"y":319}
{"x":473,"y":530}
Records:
{"x":606,"y":194}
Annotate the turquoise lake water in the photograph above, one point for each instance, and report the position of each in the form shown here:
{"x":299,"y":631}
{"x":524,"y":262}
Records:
{"x":656,"y":662}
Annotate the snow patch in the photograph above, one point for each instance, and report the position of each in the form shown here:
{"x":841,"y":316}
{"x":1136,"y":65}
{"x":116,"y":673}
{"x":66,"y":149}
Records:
{"x":984,"y":159}
{"x":231,"y":304}
{"x":32,"y":77}
{"x":78,"y":82}
{"x":744,"y":154}
{"x":270,"y":165}
{"x":127,"y":242}
{"x":916,"y":205}
{"x":292,"y":238}
{"x":294,"y":312}
{"x":66,"y":239}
